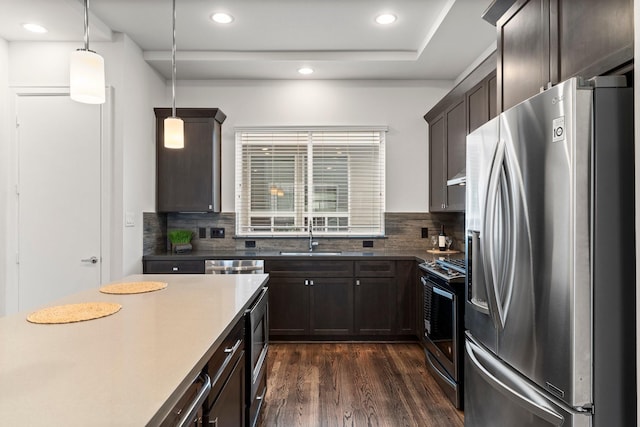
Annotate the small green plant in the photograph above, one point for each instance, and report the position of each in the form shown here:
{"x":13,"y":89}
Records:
{"x":178,"y":237}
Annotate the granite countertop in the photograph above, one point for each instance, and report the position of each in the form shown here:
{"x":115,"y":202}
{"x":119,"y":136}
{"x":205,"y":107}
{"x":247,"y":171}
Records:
{"x":418,"y":254}
{"x":127,"y":369}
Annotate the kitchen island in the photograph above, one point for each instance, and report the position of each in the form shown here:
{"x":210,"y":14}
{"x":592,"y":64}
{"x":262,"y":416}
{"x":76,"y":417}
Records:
{"x":127,"y":369}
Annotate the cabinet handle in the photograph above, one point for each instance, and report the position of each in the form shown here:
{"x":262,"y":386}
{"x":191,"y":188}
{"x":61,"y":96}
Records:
{"x":358,"y":282}
{"x":192,"y":409}
{"x":214,"y":422}
{"x":306,"y":283}
{"x":311,"y":282}
{"x":174,"y":268}
{"x":234,"y":348}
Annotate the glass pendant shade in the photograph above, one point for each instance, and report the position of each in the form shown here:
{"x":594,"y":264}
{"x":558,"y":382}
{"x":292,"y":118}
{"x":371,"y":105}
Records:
{"x":173,"y":132}
{"x":86,"y":71}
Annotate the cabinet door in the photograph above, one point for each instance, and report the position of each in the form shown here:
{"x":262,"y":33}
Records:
{"x":523,"y":51}
{"x":375,"y":305}
{"x":406,"y":289}
{"x":456,"y":154}
{"x":477,"y":106}
{"x":228,"y":408}
{"x":590,"y":37}
{"x":493,"y":94}
{"x":288,"y":306}
{"x":331,"y":306}
{"x":188,"y":179}
{"x":437,"y":152}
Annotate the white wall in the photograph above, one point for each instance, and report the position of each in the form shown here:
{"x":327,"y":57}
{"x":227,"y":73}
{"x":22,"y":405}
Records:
{"x":4,"y":156}
{"x":143,"y":90}
{"x":400,"y":105}
{"x":137,"y":89}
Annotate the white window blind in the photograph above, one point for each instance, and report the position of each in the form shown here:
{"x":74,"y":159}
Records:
{"x":331,"y":179}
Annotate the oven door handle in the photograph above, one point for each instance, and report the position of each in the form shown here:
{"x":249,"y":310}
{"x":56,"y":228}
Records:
{"x":441,"y":374}
{"x":437,"y":289}
{"x":442,"y":292}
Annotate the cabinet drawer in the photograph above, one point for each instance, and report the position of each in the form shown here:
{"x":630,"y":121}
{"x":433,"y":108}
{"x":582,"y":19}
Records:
{"x":174,"y":267}
{"x":224,"y":359}
{"x":379,"y":268}
{"x":309,"y":268}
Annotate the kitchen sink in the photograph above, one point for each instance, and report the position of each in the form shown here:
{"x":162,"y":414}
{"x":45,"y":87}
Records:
{"x":307,"y":253}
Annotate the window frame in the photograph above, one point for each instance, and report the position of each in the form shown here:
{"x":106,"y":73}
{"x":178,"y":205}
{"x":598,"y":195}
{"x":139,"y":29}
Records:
{"x":303,"y":213}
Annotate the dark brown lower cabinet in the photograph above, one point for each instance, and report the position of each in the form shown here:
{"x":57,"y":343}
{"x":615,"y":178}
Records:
{"x":406,"y":297}
{"x":357,"y":300}
{"x":322,"y":306}
{"x":331,"y":306}
{"x":173,"y":267}
{"x":228,"y":407}
{"x":289,"y":300}
{"x":225,"y":405}
{"x":375,"y":305}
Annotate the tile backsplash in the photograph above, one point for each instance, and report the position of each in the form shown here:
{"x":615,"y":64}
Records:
{"x":403,"y":232}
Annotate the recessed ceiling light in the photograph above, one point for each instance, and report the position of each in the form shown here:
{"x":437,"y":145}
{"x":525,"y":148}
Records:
{"x":34,"y":28}
{"x":386,"y":19}
{"x":305,"y":70}
{"x":222,"y":18}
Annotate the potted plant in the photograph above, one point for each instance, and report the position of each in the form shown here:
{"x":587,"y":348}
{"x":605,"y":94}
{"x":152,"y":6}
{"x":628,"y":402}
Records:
{"x":180,"y":240}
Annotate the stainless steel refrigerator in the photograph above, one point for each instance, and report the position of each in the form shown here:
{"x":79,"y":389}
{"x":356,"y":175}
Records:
{"x":550,"y":292}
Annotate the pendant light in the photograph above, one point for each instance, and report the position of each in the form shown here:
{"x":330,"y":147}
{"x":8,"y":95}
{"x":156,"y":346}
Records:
{"x":173,"y":126}
{"x":86,"y":70}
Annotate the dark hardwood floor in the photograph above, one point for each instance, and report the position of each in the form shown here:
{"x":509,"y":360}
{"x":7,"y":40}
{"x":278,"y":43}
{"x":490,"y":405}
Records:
{"x":353,"y":384}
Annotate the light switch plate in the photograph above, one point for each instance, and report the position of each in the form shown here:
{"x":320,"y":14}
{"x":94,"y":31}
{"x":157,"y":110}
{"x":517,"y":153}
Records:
{"x":129,"y":219}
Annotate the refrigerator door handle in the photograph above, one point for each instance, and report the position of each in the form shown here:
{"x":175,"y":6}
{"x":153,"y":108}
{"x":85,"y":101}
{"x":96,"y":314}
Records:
{"x":490,"y":269}
{"x":520,"y":397}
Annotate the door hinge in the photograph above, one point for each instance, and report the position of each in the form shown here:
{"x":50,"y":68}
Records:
{"x":17,"y":189}
{"x":17,"y":257}
{"x":17,"y":122}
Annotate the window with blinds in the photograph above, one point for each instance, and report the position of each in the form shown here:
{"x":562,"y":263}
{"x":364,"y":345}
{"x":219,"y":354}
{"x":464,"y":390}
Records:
{"x":331,"y":180}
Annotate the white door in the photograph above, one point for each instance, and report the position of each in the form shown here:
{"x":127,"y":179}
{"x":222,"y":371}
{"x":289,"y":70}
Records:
{"x":59,"y":196}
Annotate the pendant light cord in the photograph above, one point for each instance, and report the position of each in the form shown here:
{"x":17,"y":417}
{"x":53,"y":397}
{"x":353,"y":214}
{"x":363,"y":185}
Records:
{"x":173,"y":62}
{"x":86,"y":25}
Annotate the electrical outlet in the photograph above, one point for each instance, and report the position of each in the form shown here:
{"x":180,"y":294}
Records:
{"x":217,"y":233}
{"x":425,"y":232}
{"x":367,"y":243}
{"x":249,"y":243}
{"x":202,"y":232}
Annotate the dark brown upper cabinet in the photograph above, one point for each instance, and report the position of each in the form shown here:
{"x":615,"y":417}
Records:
{"x":523,"y":52}
{"x":542,"y":42}
{"x":189,"y":179}
{"x":590,"y":37}
{"x":470,"y":104}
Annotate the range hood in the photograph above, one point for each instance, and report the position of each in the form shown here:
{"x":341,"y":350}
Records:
{"x":458,"y":179}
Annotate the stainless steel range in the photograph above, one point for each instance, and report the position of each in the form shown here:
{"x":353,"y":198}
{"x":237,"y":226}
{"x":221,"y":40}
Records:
{"x":443,"y":337}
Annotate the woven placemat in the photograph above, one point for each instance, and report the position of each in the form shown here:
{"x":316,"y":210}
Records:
{"x":133,"y":287}
{"x":70,"y":313}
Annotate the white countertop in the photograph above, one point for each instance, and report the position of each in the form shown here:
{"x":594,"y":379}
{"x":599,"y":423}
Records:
{"x":122,"y":370}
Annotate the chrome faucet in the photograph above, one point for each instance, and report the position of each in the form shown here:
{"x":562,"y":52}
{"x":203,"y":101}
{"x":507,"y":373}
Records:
{"x":312,"y":242}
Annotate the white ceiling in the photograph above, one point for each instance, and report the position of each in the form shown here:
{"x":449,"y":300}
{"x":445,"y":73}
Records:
{"x":271,"y":39}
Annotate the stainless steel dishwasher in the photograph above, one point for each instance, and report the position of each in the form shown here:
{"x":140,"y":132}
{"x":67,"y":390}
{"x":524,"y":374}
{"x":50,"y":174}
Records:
{"x":256,"y":336}
{"x":234,"y":266}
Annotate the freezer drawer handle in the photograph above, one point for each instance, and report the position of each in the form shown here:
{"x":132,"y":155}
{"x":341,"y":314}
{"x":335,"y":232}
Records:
{"x":536,"y":408}
{"x":192,"y":411}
